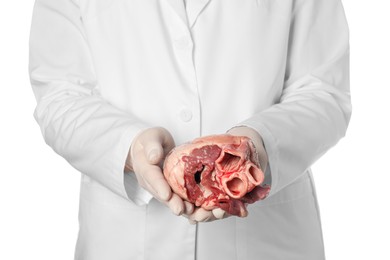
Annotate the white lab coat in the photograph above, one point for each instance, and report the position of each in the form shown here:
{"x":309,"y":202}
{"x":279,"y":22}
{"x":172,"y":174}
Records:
{"x":103,"y":70}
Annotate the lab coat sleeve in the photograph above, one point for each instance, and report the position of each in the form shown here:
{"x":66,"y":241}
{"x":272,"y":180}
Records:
{"x":314,"y":109}
{"x":90,"y":133}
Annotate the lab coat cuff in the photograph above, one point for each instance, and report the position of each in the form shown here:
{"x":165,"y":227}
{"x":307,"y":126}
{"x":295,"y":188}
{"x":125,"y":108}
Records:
{"x":135,"y":192}
{"x":270,"y":145}
{"x":129,"y":187}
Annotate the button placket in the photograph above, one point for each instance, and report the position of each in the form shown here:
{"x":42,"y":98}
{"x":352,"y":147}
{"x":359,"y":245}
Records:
{"x":188,"y":114}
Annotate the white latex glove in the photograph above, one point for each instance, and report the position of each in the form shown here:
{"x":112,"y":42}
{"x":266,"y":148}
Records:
{"x":202,"y":215}
{"x":145,"y":159}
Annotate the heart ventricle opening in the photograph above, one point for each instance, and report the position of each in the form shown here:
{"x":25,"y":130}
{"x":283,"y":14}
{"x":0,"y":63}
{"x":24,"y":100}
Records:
{"x":229,"y":161}
{"x":235,"y":186}
{"x":256,"y":174}
{"x":198,"y":176}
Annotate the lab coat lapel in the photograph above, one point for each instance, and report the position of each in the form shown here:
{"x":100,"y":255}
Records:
{"x":179,"y":8}
{"x":194,"y":9}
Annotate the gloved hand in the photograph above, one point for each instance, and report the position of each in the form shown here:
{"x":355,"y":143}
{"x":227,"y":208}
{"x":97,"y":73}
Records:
{"x":145,"y":159}
{"x":202,"y":215}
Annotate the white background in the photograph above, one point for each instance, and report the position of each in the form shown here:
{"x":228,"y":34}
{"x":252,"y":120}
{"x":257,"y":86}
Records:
{"x":39,"y":190}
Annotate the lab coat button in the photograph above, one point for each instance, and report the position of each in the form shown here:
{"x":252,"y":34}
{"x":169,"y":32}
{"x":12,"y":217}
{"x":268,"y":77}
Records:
{"x":186,"y":115}
{"x":182,"y":42}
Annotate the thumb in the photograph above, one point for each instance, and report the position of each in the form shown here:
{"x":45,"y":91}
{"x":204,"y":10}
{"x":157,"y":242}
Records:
{"x":154,"y":152}
{"x":155,"y":142}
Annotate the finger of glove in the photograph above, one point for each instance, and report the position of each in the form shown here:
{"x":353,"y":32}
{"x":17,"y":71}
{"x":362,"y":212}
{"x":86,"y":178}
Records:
{"x":156,"y":143}
{"x":165,"y":139}
{"x":219,"y":213}
{"x":176,"y":204}
{"x":153,"y":152}
{"x":155,"y":182}
{"x":201,"y":215}
{"x":188,"y":208}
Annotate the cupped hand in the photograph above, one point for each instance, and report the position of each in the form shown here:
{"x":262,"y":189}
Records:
{"x":145,"y":159}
